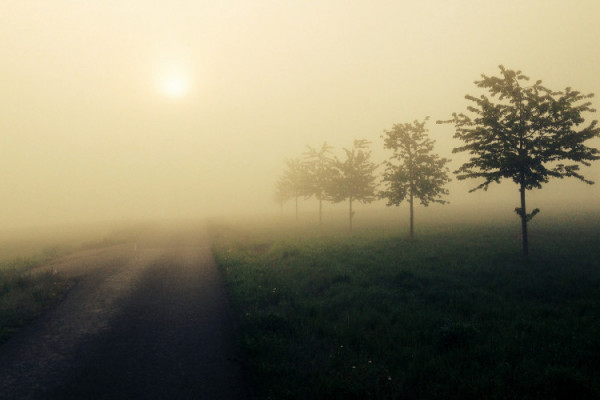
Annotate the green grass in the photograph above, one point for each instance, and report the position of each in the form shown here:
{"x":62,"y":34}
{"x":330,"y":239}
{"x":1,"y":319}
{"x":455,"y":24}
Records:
{"x":25,"y":294}
{"x":457,"y":313}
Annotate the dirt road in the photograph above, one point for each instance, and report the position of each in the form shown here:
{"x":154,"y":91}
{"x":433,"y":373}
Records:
{"x":149,"y":321}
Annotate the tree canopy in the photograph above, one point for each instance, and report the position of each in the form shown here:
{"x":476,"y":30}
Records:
{"x":416,"y":172}
{"x":318,"y":174}
{"x":353,"y":178}
{"x":292,"y":183}
{"x":524,"y":133}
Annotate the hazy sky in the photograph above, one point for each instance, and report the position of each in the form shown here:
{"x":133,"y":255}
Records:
{"x":130,"y":109}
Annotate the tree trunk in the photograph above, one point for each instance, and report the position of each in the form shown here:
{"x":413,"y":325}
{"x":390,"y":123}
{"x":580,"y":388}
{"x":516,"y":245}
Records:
{"x":522,"y":156}
{"x":412,"y":217}
{"x":296,"y":208}
{"x":524,"y":221}
{"x":351,"y":213}
{"x":320,"y":212}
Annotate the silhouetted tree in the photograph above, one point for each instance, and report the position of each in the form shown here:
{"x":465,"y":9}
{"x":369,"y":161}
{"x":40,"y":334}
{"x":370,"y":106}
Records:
{"x":280,"y":196}
{"x":292,"y":183}
{"x":419,"y":173}
{"x":523,"y":133}
{"x":318,"y":164}
{"x":353,"y":178}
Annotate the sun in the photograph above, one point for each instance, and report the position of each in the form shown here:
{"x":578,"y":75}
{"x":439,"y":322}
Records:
{"x":173,"y":80}
{"x":173,"y":75}
{"x":175,"y":86}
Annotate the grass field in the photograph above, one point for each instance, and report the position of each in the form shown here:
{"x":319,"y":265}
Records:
{"x":455,"y":314}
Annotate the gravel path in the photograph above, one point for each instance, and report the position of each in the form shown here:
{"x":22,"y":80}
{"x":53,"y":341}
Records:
{"x":149,"y":321}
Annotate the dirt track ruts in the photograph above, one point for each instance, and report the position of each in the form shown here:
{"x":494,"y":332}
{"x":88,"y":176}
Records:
{"x":144,"y":322}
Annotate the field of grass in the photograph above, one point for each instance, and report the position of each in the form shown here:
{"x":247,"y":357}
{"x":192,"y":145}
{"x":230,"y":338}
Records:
{"x":455,"y":314}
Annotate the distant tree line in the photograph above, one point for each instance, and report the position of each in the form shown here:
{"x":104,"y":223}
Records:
{"x":413,"y":172}
{"x":519,"y":132}
{"x":321,"y":175}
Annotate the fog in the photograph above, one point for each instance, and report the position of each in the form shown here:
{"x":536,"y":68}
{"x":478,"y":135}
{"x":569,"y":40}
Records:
{"x":125,"y":110}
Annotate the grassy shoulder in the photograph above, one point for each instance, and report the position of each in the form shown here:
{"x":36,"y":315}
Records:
{"x":25,"y":294}
{"x":25,"y":291}
{"x":456,"y":313}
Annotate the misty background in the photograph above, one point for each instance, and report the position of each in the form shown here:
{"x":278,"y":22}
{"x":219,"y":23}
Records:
{"x":89,"y":131}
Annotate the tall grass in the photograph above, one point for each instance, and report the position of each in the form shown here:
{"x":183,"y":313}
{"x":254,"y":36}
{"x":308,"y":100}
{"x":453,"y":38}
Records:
{"x":456,"y":313}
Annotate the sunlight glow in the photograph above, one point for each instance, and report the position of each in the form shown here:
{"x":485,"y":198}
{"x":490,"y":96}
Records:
{"x":175,"y":86}
{"x":173,"y":77}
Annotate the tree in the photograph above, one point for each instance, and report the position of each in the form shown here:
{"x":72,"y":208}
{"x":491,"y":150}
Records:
{"x":292,"y":183}
{"x":523,"y":133}
{"x":353,"y":178}
{"x":280,"y":196}
{"x":419,"y":173}
{"x":318,"y":175}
